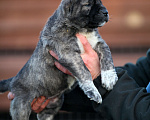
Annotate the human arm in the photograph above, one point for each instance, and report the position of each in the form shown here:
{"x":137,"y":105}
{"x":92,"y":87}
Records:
{"x":140,"y":71}
{"x":127,"y":101}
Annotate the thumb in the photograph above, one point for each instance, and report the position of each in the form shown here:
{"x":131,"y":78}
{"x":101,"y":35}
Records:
{"x":10,"y":96}
{"x":86,"y":45}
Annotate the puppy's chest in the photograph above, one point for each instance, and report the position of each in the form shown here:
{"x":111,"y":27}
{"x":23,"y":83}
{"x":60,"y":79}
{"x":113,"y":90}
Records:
{"x":92,"y":38}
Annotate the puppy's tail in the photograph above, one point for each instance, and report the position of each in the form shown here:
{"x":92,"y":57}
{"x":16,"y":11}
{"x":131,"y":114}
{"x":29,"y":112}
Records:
{"x":5,"y":85}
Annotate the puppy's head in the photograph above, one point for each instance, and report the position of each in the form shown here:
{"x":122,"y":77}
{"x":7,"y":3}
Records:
{"x":86,"y":13}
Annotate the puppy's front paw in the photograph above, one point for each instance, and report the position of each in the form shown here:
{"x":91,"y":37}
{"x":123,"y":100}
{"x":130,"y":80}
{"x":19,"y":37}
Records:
{"x":109,"y":78}
{"x":93,"y":95}
{"x":91,"y":91}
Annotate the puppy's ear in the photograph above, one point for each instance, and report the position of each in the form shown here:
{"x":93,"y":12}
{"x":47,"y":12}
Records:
{"x":86,"y":9}
{"x":86,"y":6}
{"x":67,"y":7}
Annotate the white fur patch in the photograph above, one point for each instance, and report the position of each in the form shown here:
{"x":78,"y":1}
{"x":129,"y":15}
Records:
{"x":92,"y":39}
{"x":102,"y":24}
{"x":109,"y":78}
{"x":71,"y":80}
{"x":80,"y":46}
{"x":50,"y":118}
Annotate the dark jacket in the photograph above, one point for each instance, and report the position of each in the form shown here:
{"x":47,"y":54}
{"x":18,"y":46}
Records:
{"x":128,"y":100}
{"x":140,"y":71}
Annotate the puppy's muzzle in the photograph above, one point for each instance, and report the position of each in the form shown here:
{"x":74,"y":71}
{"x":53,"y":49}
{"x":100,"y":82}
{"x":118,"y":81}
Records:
{"x":105,"y":13}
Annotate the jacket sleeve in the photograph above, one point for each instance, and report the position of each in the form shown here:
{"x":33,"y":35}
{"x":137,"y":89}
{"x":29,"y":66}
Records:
{"x":140,"y":71}
{"x":127,"y":101}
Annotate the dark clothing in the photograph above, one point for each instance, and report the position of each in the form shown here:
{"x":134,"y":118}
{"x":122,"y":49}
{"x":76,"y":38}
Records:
{"x":127,"y":101}
{"x":140,"y":71}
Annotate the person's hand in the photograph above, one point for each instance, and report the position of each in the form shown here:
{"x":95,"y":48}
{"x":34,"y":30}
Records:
{"x":37,"y":105}
{"x":59,"y":66}
{"x":89,"y":57}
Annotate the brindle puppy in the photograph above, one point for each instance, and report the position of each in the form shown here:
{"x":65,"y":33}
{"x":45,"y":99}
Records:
{"x":40,"y":77}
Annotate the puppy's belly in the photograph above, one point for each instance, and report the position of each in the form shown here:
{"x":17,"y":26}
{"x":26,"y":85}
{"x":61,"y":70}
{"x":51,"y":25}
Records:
{"x":92,"y":39}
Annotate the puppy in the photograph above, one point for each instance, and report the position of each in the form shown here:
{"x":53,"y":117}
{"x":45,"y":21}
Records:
{"x":40,"y":77}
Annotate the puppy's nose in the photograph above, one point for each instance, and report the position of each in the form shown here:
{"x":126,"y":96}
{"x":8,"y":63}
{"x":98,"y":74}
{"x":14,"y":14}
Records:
{"x":105,"y":12}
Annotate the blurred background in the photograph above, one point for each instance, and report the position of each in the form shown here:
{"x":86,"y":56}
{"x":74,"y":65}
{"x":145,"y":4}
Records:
{"x":127,"y":32}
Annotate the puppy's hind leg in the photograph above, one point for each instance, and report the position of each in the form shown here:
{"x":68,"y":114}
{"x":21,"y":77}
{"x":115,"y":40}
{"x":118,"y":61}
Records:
{"x":51,"y":109}
{"x":20,"y":109}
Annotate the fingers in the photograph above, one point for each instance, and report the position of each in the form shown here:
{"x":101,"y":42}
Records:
{"x":43,"y":106}
{"x":63,"y":69}
{"x":39,"y":104}
{"x":86,"y":45}
{"x":54,"y":55}
{"x":10,"y":96}
{"x":38,"y":101}
{"x":58,"y":65}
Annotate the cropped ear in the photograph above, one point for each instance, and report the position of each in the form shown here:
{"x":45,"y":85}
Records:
{"x":67,"y":7}
{"x":72,"y":8}
{"x":86,"y":9}
{"x":86,"y":6}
